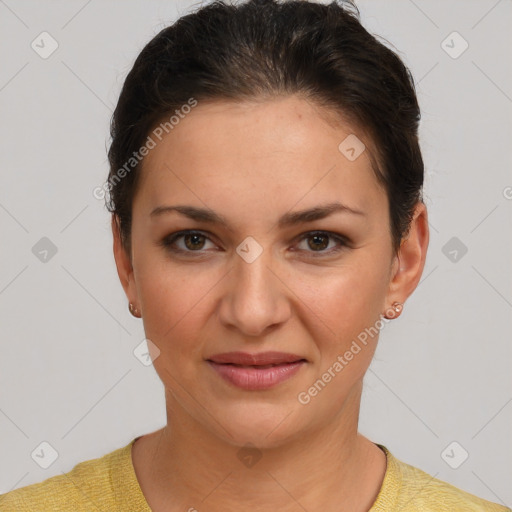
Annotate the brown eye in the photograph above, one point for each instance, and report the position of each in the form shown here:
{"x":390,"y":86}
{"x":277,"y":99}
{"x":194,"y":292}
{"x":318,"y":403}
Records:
{"x":318,"y":242}
{"x":193,"y":241}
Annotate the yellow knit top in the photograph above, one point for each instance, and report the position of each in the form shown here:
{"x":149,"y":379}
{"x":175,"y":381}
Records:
{"x":109,"y":483}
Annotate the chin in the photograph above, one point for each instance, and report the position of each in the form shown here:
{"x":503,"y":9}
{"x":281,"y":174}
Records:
{"x":265,"y":426}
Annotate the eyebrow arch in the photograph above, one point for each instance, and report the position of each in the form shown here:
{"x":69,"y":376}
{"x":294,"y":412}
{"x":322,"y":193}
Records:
{"x":287,"y":220}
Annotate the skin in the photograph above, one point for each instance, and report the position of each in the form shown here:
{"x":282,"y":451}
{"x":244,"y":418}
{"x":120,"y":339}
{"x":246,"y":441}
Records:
{"x":252,"y":163}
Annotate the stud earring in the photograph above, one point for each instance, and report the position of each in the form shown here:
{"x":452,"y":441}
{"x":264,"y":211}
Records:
{"x":133,"y":310}
{"x":394,"y":311}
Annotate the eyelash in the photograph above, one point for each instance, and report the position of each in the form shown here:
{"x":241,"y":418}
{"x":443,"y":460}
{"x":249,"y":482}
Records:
{"x":169,"y":241}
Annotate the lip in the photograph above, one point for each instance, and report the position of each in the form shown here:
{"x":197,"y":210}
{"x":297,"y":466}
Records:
{"x":253,"y":371}
{"x":257,"y":359}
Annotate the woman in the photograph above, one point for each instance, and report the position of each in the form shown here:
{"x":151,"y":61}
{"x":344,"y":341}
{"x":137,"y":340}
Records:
{"x":267,"y":215}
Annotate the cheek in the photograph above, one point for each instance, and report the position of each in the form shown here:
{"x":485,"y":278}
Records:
{"x":160,"y":286}
{"x":175,"y":302}
{"x":347,"y":298}
{"x":349,"y":304}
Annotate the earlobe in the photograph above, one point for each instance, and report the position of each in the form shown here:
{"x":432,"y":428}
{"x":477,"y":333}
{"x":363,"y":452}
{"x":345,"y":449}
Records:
{"x":411,"y":257}
{"x":394,"y":311}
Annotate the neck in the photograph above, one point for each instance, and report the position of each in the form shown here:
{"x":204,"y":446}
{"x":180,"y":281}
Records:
{"x":333,"y":468}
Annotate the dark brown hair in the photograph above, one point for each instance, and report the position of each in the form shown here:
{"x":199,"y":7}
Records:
{"x":261,"y":49}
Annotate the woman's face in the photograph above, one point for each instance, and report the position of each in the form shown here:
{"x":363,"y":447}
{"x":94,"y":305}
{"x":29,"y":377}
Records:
{"x":260,"y":282}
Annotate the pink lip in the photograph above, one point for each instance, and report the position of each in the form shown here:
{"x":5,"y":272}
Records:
{"x":256,"y":371}
{"x":259,"y":359}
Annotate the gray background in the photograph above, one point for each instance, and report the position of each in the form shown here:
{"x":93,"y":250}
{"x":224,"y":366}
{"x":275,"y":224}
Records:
{"x":68,"y":375}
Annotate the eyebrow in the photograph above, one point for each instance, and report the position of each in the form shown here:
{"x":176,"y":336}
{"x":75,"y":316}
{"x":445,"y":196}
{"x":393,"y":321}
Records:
{"x":287,"y":220}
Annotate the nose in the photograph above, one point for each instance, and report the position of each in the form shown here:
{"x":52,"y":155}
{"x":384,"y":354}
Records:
{"x":255,"y":297}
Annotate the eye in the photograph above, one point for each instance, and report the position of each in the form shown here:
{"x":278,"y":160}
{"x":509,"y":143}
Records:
{"x":318,"y":241}
{"x":193,"y":241}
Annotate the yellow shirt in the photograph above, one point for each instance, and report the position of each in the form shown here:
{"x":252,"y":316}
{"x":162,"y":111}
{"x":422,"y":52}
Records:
{"x":109,"y":483}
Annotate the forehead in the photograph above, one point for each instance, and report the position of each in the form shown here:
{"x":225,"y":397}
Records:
{"x":274,"y":152}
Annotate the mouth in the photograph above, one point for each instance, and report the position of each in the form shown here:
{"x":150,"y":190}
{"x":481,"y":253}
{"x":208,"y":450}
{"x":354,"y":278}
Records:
{"x":259,"y":366}
{"x":257,"y":360}
{"x":253,"y":372}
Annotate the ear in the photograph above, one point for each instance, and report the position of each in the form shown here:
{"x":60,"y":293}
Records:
{"x":123,"y":263}
{"x":408,"y":265}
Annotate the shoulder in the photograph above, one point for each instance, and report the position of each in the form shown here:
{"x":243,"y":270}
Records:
{"x":88,"y":486}
{"x":412,"y":490}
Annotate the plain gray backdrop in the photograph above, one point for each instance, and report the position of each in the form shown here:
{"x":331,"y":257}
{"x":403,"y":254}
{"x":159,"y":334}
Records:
{"x":440,"y":386}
